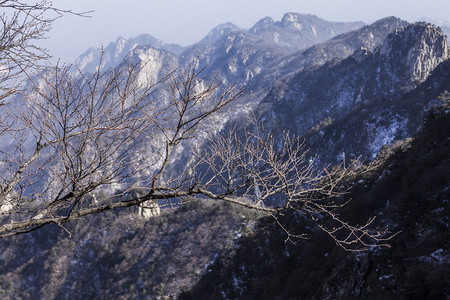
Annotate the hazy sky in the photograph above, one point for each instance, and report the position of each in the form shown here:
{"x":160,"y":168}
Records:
{"x":187,"y":21}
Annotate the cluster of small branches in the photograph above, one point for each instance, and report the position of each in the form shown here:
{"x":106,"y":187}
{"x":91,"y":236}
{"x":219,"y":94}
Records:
{"x":258,"y":170}
{"x":22,"y":26}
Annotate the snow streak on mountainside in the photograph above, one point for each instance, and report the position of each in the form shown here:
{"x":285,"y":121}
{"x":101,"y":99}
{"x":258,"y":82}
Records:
{"x":115,"y":52}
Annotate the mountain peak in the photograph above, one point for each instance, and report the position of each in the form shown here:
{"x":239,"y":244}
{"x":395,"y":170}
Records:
{"x":422,"y":45}
{"x":298,"y":21}
{"x":388,"y":22}
{"x":219,"y":31}
{"x":262,"y":25}
{"x":113,"y":54}
{"x":291,"y":17}
{"x":120,"y":39}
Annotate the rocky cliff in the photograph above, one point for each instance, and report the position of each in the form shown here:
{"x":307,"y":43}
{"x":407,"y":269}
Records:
{"x":357,"y":89}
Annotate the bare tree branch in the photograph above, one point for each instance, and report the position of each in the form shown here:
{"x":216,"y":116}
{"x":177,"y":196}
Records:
{"x":70,"y":137}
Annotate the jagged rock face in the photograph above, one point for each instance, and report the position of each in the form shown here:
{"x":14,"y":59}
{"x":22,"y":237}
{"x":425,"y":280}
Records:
{"x":425,"y":47}
{"x":254,"y":58}
{"x":292,"y":33}
{"x":306,"y":23}
{"x":255,"y":48}
{"x":236,"y":57}
{"x":404,"y":60}
{"x":443,"y":24}
{"x":114,"y":53}
{"x":156,"y":62}
{"x":333,"y":90}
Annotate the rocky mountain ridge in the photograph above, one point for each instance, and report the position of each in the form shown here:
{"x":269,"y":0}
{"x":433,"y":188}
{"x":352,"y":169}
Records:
{"x":296,"y":31}
{"x":343,"y":45}
{"x":335,"y":89}
{"x":292,"y":33}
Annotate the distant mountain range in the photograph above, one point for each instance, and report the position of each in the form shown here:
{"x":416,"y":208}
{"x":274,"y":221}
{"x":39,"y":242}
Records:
{"x":303,"y":70}
{"x":292,"y":33}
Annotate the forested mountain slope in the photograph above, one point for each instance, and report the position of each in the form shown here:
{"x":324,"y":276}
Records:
{"x":409,"y":192}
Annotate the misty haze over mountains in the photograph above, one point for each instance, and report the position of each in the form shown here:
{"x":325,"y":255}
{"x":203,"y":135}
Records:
{"x":351,"y":90}
{"x":303,"y":70}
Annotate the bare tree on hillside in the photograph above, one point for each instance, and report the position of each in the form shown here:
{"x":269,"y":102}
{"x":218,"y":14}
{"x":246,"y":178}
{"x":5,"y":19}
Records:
{"x":70,"y":137}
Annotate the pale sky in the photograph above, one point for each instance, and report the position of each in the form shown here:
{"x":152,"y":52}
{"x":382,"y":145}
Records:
{"x":187,"y":21}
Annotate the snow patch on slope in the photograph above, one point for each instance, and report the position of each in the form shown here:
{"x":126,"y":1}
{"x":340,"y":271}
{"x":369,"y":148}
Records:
{"x":384,"y":134}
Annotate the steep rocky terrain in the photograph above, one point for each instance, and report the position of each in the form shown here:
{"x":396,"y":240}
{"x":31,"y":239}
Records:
{"x":366,"y":93}
{"x":299,"y":31}
{"x":369,"y":126}
{"x":115,"y":52}
{"x":237,"y":54}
